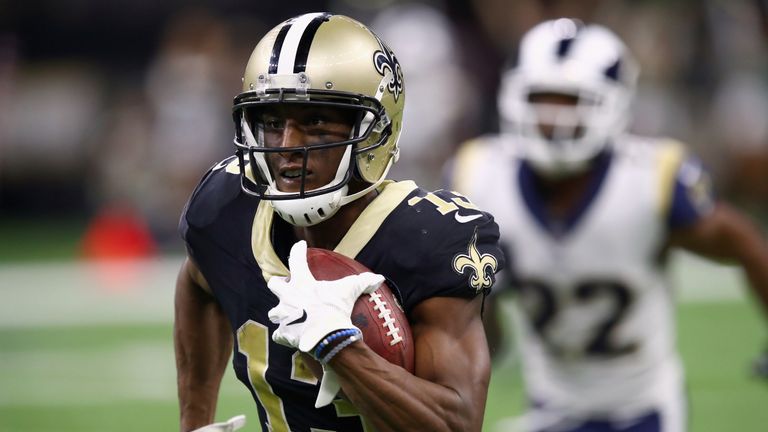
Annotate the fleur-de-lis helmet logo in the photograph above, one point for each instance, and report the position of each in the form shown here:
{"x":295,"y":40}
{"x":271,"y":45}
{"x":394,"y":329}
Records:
{"x":384,"y":60}
{"x":482,"y":266}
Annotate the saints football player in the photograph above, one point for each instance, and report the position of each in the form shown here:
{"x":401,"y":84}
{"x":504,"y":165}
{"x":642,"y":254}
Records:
{"x":317,"y":128}
{"x":589,"y":214}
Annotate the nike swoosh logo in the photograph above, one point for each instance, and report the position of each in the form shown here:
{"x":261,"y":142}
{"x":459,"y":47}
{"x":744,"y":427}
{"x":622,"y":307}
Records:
{"x":465,"y":219}
{"x":300,"y":319}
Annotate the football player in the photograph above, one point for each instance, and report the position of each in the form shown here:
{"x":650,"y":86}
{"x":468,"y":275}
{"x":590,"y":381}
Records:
{"x":589,"y":214}
{"x":316,"y":130}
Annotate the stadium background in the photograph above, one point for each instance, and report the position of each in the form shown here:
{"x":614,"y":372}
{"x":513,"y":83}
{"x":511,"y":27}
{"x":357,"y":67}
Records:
{"x":110,"y":111}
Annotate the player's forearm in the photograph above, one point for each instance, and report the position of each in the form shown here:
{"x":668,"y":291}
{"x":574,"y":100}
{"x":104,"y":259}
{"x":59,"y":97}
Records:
{"x":195,"y":414}
{"x":200,"y":365}
{"x":394,"y":400}
{"x":728,"y":236}
{"x":743,"y":242}
{"x":198,"y":389}
{"x":202,"y":343}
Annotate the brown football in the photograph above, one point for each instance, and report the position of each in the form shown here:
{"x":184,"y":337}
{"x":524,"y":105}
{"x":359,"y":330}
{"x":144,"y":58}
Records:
{"x":378,"y":315}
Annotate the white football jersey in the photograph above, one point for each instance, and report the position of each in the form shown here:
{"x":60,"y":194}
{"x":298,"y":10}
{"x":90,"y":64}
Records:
{"x":595,"y":311}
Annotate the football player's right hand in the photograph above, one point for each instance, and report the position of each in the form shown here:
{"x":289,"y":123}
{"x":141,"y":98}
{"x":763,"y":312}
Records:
{"x":310,"y":309}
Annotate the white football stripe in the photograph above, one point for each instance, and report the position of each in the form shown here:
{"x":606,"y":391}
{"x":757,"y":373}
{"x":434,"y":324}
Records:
{"x":291,"y":43}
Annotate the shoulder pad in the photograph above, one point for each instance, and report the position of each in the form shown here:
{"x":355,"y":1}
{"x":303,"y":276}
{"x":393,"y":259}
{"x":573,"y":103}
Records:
{"x":219,"y":186}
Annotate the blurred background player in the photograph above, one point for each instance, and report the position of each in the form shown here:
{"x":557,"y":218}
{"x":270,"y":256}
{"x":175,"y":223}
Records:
{"x":317,"y":129}
{"x":589,"y":213}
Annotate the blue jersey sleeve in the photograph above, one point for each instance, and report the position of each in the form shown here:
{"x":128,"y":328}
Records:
{"x":692,"y":195}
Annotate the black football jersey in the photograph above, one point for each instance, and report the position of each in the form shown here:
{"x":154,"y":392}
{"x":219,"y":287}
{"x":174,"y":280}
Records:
{"x":426,"y":244}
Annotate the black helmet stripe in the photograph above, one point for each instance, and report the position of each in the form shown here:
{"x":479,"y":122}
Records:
{"x":274,"y":58}
{"x":291,"y":49}
{"x":302,"y":53}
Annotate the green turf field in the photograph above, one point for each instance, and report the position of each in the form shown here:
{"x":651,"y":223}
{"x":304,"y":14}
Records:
{"x":84,"y":351}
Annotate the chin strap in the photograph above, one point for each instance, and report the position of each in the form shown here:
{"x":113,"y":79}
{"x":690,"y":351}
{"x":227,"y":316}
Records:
{"x":349,"y":198}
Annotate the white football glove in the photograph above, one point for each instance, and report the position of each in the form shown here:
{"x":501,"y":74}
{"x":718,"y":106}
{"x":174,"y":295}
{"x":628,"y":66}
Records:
{"x":230,"y":425}
{"x":310,"y":309}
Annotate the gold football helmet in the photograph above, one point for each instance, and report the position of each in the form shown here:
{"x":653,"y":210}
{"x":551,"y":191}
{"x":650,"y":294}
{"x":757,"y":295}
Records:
{"x":330,"y":61}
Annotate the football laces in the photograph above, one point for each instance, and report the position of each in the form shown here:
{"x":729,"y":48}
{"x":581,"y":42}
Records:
{"x":385,"y":313}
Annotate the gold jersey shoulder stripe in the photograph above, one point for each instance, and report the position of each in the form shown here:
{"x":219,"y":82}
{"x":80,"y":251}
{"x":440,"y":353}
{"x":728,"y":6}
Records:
{"x":263,"y":250}
{"x":391,"y":194}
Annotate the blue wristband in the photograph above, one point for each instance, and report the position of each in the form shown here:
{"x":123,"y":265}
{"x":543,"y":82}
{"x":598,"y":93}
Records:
{"x":332,"y":337}
{"x":343,"y":344}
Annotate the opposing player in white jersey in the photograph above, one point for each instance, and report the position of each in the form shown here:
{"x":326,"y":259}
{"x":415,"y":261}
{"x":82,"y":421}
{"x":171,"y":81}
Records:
{"x":588,"y":213}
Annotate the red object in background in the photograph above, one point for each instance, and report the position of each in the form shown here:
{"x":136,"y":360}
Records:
{"x":117,"y":233}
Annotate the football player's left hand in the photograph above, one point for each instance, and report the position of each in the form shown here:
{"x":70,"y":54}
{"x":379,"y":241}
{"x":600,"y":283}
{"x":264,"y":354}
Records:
{"x":310,"y":309}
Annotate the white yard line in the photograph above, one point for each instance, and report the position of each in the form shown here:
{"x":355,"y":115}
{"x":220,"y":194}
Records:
{"x":87,"y":293}
{"x":75,"y":293}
